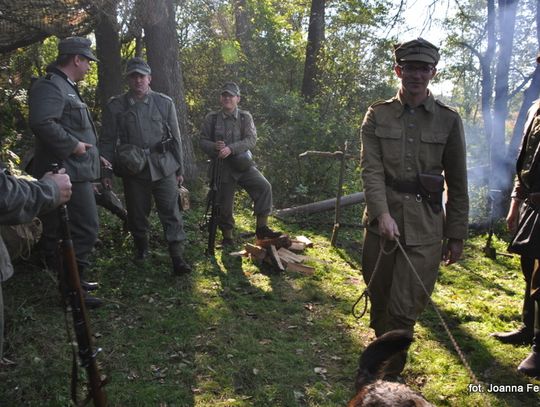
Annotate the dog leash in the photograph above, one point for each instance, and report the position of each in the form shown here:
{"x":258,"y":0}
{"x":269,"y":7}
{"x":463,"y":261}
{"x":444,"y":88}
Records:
{"x":365,"y":295}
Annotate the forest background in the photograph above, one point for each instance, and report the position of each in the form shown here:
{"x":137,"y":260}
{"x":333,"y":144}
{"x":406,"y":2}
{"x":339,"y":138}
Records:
{"x":308,"y":70}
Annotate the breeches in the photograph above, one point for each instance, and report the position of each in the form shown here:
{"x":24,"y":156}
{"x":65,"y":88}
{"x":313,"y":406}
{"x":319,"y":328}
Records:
{"x":258,"y":188}
{"x":83,"y":222}
{"x":139,"y":193}
{"x":397,"y":295}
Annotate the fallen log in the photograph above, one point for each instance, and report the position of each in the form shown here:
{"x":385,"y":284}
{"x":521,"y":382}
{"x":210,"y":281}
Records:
{"x":321,"y":206}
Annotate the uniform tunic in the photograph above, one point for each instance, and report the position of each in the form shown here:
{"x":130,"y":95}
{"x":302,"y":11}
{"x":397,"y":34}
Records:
{"x":399,"y":142}
{"x":20,"y":202}
{"x":527,"y":181}
{"x":60,"y":119}
{"x":238,"y":132}
{"x":142,"y":123}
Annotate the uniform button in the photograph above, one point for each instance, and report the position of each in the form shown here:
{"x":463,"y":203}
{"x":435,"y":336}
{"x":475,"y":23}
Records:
{"x":409,"y":169}
{"x":406,"y":197}
{"x":409,"y":154}
{"x":411,"y":111}
{"x":410,"y":140}
{"x":411,"y":125}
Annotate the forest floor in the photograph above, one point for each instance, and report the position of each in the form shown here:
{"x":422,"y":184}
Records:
{"x":237,"y":333}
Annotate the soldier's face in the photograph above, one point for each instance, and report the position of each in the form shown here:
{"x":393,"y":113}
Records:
{"x":139,"y":84}
{"x":82,"y":65}
{"x":415,"y":76}
{"x":229,"y":102}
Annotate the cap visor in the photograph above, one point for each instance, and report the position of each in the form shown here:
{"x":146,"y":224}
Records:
{"x":418,"y":58}
{"x":138,"y":70}
{"x":229,"y":92}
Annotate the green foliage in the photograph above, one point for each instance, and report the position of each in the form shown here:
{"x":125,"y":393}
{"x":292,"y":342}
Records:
{"x":237,"y":333}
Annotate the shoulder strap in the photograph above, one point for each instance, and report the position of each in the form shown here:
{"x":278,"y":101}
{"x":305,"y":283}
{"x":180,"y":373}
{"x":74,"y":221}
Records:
{"x":213,"y":129}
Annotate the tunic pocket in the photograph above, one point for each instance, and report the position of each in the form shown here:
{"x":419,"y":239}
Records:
{"x":78,"y":115}
{"x":432,"y":147}
{"x":390,"y":142}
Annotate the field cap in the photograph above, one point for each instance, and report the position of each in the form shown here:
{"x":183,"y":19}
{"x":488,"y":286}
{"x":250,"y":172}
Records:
{"x":138,"y":65}
{"x":76,"y":46}
{"x":231,"y":88}
{"x":418,"y":50}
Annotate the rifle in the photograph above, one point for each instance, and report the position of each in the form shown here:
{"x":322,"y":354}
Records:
{"x":70,"y":287}
{"x":213,"y":206}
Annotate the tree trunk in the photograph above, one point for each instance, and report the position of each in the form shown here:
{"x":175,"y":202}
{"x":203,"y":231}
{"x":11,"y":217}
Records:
{"x":108,"y":51}
{"x":243,"y":26}
{"x":163,"y":57}
{"x":485,"y":66}
{"x":529,"y":96}
{"x":321,"y":206}
{"x":499,"y":166}
{"x":315,"y":40}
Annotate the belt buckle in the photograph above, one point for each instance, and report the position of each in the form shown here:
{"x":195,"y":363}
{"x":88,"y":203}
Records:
{"x":418,"y":198}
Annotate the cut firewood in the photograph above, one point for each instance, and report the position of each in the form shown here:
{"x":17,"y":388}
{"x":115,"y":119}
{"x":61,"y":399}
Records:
{"x":276,"y":261}
{"x":256,"y":252}
{"x":301,"y":268}
{"x":297,"y":246}
{"x":239,"y":254}
{"x":288,"y":255}
{"x":282,"y":241}
{"x":304,"y":240}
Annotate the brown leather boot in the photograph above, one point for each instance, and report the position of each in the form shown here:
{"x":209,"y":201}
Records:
{"x":530,"y":366}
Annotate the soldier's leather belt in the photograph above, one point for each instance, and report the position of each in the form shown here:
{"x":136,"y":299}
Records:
{"x":403,"y":186}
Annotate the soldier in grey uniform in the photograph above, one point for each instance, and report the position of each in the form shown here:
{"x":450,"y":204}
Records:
{"x":65,"y":134}
{"x":406,"y":141}
{"x":20,"y":201}
{"x":147,"y":119}
{"x":227,"y":136}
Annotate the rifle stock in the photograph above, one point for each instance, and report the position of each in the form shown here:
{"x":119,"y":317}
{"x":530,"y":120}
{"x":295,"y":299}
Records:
{"x":70,"y":287}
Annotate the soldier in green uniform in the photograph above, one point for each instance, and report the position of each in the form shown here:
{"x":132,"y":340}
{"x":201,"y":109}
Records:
{"x":407,"y":143}
{"x":65,"y":134}
{"x":228,"y":135}
{"x":147,"y":120}
{"x":523,"y":221}
{"x":20,"y":201}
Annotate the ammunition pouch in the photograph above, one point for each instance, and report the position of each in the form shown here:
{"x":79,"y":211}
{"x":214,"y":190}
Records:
{"x":241,"y":162}
{"x":428,"y":187}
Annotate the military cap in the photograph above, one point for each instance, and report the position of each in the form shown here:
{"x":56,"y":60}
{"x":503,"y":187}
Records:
{"x":138,"y":65}
{"x":76,"y":46}
{"x":418,"y":50}
{"x":231,"y":88}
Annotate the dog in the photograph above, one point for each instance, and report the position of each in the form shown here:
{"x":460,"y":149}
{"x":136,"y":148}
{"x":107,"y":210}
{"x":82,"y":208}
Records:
{"x":371,"y":389}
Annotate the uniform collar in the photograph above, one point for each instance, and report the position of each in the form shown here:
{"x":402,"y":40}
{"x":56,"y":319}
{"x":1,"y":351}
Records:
{"x":132,"y":100}
{"x":234,"y":114}
{"x":57,"y":71}
{"x":428,"y":104}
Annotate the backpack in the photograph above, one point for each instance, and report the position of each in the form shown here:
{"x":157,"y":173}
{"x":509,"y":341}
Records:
{"x":19,"y":239}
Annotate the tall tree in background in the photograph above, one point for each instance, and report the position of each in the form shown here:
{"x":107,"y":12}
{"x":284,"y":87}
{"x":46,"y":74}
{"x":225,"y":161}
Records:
{"x":163,"y":56}
{"x":107,"y":34}
{"x":313,"y":49}
{"x":243,"y":26}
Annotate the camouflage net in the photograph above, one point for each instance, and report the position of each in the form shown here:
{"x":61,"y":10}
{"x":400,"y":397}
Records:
{"x":24,"y":22}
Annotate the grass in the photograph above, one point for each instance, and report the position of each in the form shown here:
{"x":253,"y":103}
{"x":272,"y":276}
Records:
{"x":235,"y":333}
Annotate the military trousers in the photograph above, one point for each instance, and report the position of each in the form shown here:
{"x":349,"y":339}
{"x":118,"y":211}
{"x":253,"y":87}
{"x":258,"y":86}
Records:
{"x":83,"y":223}
{"x":139,"y":193}
{"x":257,"y":187}
{"x":397,"y":295}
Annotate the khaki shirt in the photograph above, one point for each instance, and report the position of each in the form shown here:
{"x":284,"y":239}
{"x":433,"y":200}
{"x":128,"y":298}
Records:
{"x":399,"y":142}
{"x":127,"y":120}
{"x":528,"y":163}
{"x":228,"y":127}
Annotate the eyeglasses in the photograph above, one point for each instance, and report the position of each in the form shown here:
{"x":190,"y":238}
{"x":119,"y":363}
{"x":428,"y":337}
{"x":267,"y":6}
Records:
{"x":422,"y":69}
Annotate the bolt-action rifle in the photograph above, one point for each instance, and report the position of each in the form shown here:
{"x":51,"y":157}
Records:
{"x":70,"y":287}
{"x":213,"y":206}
